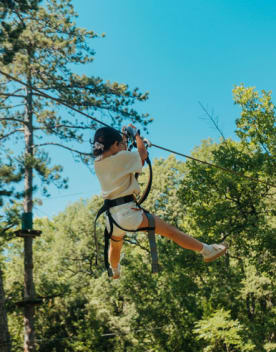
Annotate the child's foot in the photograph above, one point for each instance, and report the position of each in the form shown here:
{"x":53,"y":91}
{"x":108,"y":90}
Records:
{"x":213,"y":251}
{"x":116,"y":272}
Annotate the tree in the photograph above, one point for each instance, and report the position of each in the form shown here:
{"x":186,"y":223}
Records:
{"x":50,"y":44}
{"x":240,"y":207}
{"x":12,"y":17}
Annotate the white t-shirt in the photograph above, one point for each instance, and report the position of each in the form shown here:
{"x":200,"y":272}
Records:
{"x":116,"y":174}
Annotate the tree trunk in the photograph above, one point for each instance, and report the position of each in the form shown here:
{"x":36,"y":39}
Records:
{"x":5,"y":341}
{"x":29,"y":289}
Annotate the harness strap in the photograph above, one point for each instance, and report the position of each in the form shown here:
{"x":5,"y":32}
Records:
{"x":107,"y":234}
{"x":151,"y":237}
{"x":108,"y":203}
{"x":112,"y":239}
{"x":111,"y":220}
{"x":119,"y":201}
{"x":106,"y":246}
{"x":152,"y":243}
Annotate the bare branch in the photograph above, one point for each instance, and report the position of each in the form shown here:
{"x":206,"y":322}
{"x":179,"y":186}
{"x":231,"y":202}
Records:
{"x":19,"y":16}
{"x":62,"y":146}
{"x":11,"y":107}
{"x":16,"y":91}
{"x":8,"y":95}
{"x":12,"y":119}
{"x":7,"y":228}
{"x":12,"y":95}
{"x":211,"y":117}
{"x":9,"y":134}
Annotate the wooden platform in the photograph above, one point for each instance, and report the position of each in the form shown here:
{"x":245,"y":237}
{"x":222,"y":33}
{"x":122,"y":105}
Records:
{"x":28,"y":233}
{"x":30,"y":301}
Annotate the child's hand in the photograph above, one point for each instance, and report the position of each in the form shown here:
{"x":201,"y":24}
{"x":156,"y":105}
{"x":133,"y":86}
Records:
{"x":130,"y":130}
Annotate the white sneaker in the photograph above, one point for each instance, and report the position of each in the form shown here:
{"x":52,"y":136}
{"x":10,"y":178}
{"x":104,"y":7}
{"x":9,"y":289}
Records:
{"x":213,"y":251}
{"x":116,"y":272}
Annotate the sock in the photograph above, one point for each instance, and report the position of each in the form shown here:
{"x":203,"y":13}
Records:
{"x":116,"y":271}
{"x":206,"y":249}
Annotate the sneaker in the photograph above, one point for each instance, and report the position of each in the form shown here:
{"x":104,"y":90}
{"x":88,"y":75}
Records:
{"x":116,"y":272}
{"x":213,"y":251}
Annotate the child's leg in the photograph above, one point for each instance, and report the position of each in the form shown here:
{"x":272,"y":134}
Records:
{"x":171,"y":232}
{"x":209,"y":252}
{"x":114,"y":254}
{"x":179,"y":237}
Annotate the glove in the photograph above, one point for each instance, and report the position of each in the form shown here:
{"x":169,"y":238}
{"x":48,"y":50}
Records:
{"x":131,"y":132}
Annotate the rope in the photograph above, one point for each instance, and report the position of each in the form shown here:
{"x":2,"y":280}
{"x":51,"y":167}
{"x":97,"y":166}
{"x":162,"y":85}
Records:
{"x":213,"y":165}
{"x":51,"y":97}
{"x":60,"y":101}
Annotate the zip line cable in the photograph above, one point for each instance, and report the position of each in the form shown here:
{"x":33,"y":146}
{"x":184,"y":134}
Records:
{"x":60,"y":101}
{"x":52,"y":98}
{"x":213,"y":165}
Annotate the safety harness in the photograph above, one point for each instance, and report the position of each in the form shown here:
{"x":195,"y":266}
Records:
{"x":109,"y":203}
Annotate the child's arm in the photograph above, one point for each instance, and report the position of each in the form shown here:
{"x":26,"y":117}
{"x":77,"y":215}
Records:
{"x":141,"y":148}
{"x":139,"y":141}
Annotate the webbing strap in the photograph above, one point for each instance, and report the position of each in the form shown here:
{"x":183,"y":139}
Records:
{"x":152,"y":244}
{"x":151,"y":237}
{"x":108,"y":204}
{"x":113,"y":221}
{"x":150,"y":229}
{"x":106,"y":246}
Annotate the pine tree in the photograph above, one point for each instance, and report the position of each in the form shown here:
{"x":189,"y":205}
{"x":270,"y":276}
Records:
{"x":50,"y":45}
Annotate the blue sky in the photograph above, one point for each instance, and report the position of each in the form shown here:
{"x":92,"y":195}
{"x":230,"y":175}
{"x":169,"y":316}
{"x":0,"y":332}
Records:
{"x":182,"y":52}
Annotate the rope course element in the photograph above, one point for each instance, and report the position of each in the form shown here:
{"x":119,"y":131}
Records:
{"x":213,"y":165}
{"x":60,"y":101}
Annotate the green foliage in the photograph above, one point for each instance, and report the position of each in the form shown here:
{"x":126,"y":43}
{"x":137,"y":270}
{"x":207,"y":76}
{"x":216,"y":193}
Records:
{"x":9,"y":198}
{"x":227,"y":305}
{"x":9,"y":175}
{"x":222,"y":205}
{"x":9,"y":11}
{"x":256,"y":126}
{"x":222,"y":333}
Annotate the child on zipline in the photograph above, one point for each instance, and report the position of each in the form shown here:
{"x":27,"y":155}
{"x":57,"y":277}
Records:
{"x":115,"y":168}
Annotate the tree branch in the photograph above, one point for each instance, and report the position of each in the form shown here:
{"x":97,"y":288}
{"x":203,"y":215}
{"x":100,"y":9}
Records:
{"x":12,"y":95}
{"x":12,"y":119}
{"x":9,"y":134}
{"x":11,"y":107}
{"x":7,"y":228}
{"x":210,"y":116}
